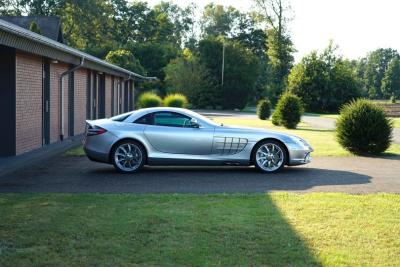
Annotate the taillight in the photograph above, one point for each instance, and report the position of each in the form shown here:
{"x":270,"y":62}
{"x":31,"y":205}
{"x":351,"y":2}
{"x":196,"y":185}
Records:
{"x":95,"y":130}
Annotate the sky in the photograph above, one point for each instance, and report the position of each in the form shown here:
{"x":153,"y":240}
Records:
{"x":356,"y":26}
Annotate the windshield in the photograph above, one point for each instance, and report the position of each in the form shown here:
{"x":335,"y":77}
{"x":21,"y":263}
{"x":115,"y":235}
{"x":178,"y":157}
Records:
{"x":203,"y":118}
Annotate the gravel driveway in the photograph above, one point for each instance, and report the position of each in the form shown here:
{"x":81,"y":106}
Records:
{"x":78,"y":174}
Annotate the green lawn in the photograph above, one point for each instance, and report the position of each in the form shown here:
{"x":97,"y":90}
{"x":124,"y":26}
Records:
{"x":278,"y":229}
{"x":323,"y":141}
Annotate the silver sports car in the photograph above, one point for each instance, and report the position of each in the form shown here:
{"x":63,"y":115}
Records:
{"x":174,"y":136}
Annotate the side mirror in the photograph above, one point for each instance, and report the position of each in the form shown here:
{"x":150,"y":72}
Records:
{"x":194,"y":123}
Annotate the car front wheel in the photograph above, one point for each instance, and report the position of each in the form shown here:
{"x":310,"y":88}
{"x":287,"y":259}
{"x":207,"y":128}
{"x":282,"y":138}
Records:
{"x":269,"y":156}
{"x":128,"y":156}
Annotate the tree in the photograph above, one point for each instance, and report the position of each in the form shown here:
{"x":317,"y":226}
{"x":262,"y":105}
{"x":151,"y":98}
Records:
{"x":34,"y":27}
{"x":280,"y":47}
{"x":241,"y":70}
{"x":324,"y":81}
{"x":218,"y":20}
{"x":188,"y":76}
{"x":376,"y":64}
{"x":391,"y":79}
{"x":126,"y":60}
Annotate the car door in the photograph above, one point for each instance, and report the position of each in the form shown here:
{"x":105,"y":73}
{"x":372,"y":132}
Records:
{"x":172,"y":132}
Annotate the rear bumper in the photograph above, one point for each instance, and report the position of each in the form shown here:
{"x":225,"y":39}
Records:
{"x":98,"y":147}
{"x":96,"y":156}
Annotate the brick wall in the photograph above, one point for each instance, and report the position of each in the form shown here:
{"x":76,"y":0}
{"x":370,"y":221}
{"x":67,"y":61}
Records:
{"x":108,"y":95}
{"x":80,"y":77}
{"x":55,"y":71}
{"x":28,"y":102}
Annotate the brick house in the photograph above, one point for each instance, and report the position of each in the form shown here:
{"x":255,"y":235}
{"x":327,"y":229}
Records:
{"x":48,"y":89}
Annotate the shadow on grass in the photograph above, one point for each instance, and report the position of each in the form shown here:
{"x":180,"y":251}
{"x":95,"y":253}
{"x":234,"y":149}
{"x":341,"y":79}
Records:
{"x":151,"y":230}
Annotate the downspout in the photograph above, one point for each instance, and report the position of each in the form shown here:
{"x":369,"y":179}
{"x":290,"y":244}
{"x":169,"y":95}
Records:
{"x":62,"y":96}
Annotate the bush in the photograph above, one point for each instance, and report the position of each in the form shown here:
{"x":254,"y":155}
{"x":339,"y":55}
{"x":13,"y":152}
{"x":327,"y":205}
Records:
{"x":363,"y":128}
{"x":288,"y":111}
{"x":275,"y":118}
{"x":148,"y":100}
{"x":176,"y":100}
{"x":393,"y":99}
{"x":264,"y":109}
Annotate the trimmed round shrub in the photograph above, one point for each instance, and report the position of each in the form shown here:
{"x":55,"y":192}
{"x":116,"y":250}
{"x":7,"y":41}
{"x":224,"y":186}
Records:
{"x":288,"y":111}
{"x":275,"y":118}
{"x":363,"y":128}
{"x":148,"y":100}
{"x":176,"y":100}
{"x":264,"y":109}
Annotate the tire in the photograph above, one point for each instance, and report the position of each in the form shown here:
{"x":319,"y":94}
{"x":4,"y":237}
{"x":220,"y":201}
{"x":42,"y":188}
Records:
{"x":128,"y":156}
{"x":271,"y":152}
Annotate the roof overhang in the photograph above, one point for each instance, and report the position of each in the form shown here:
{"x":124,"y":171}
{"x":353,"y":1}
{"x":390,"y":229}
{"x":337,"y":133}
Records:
{"x":14,"y":36}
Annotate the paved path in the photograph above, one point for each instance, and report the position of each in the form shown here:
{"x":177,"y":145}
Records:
{"x":78,"y":174}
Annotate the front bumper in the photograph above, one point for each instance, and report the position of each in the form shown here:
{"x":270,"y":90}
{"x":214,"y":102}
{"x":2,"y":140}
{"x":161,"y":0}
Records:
{"x":299,"y":155}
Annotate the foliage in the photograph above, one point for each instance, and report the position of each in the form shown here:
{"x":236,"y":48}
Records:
{"x":264,"y":109}
{"x":175,"y":100}
{"x":275,"y":119}
{"x":324,"y":81}
{"x":363,"y":128}
{"x":391,"y":79}
{"x":240,"y":74}
{"x":126,"y":60}
{"x":148,"y":100}
{"x":188,"y":76}
{"x":371,"y":71}
{"x":393,"y":99}
{"x":280,"y":54}
{"x":288,"y":111}
{"x":34,"y":27}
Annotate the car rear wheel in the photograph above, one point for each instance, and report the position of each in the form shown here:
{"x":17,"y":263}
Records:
{"x":128,"y":156}
{"x":269,"y":156}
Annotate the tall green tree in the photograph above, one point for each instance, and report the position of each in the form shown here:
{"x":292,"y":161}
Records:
{"x":188,"y":76}
{"x":391,"y":79}
{"x":240,"y":74}
{"x":324,"y":81}
{"x":376,"y":64}
{"x":276,"y":14}
{"x":125,"y":59}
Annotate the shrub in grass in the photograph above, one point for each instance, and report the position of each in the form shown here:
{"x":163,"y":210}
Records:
{"x":363,"y":128}
{"x":393,"y":99}
{"x":288,"y":111}
{"x":264,"y":109}
{"x":176,"y":100}
{"x":275,"y":118}
{"x":148,"y":100}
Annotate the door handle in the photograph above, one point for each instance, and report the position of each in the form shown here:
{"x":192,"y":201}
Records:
{"x":47,"y":105}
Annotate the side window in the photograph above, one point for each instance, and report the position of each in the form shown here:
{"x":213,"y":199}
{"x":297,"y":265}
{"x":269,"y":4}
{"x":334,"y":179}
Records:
{"x":171,"y":119}
{"x":146,"y":119}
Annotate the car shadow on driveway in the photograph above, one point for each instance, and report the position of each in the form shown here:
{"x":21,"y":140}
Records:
{"x":79,"y":175}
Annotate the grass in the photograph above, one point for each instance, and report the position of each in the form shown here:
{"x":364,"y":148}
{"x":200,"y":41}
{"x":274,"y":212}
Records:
{"x":278,"y":229}
{"x":323,"y":141}
{"x":75,"y":152}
